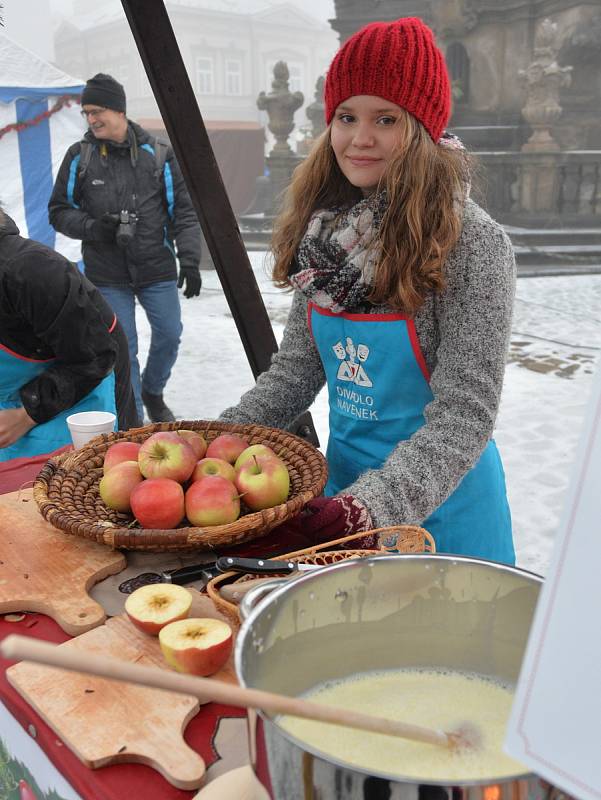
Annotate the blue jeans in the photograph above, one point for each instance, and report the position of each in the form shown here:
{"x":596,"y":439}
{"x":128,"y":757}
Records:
{"x":160,"y":302}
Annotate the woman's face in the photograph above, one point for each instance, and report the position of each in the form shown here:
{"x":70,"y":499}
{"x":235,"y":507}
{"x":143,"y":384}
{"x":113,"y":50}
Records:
{"x":364,"y":136}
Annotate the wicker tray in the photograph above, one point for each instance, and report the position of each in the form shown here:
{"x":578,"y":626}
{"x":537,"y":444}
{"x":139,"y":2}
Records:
{"x":397,"y":539}
{"x":66,"y":491}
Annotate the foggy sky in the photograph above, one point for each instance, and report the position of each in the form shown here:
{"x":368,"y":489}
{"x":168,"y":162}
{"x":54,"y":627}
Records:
{"x":30,"y":22}
{"x":320,"y":9}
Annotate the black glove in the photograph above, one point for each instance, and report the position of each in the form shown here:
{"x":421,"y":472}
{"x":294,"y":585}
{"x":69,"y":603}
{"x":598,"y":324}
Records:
{"x":191,"y":275}
{"x":103,"y":229}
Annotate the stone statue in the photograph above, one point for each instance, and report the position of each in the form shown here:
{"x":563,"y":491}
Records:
{"x":280,"y":105}
{"x":543,"y":79}
{"x":315,"y":111}
{"x":453,"y":19}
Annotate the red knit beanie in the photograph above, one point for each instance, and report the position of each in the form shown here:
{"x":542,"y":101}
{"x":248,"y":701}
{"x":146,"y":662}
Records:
{"x":398,"y":61}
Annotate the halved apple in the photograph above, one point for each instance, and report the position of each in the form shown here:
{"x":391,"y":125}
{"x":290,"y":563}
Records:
{"x":152,"y":607}
{"x":196,"y":646}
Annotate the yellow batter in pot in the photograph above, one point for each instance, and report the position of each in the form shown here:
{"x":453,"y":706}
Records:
{"x":443,"y":700}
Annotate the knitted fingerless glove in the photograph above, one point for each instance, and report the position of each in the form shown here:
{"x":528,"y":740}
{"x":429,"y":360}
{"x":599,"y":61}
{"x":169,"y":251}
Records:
{"x":322,"y":519}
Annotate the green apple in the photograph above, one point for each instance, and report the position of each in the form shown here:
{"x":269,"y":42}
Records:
{"x":227,"y":446}
{"x":263,"y":482}
{"x":166,"y":455}
{"x":212,"y":501}
{"x":213,"y":466}
{"x":253,"y":450}
{"x":116,"y":487}
{"x":196,"y":440}
{"x":118,"y":452}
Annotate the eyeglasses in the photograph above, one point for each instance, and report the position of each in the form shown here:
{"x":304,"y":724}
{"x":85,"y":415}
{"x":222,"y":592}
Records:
{"x":94,"y":112}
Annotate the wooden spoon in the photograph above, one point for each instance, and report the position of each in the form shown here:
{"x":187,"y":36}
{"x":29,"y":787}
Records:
{"x":15,"y":647}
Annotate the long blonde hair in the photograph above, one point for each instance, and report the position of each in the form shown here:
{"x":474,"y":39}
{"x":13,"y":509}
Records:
{"x":424,"y":183}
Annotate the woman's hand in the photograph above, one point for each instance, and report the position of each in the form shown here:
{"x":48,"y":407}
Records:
{"x":14,"y":423}
{"x":322,"y":520}
{"x":327,"y":518}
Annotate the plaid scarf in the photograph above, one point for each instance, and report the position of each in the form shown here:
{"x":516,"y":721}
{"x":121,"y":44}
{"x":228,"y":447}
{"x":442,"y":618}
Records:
{"x":336,"y":257}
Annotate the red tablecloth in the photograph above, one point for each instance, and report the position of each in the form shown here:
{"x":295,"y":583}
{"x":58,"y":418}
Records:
{"x":22,"y":471}
{"x":118,"y":781}
{"x":112,"y":782}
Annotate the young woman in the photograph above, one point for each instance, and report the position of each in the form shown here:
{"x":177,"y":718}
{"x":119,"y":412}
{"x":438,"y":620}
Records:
{"x":403,"y":293}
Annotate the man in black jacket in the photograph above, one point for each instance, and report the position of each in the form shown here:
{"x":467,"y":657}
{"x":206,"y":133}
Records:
{"x":121,"y":192}
{"x":61,"y":349}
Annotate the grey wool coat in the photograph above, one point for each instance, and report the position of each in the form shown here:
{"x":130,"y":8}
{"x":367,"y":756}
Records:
{"x":464,"y":335}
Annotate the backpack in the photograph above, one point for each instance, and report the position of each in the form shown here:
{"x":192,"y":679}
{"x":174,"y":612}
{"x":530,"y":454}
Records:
{"x":157,"y":147}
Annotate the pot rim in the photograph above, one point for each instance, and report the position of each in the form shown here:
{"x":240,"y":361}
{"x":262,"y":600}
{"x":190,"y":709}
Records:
{"x":308,"y":577}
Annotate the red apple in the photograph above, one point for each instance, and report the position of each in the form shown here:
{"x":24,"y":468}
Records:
{"x":213,"y":466}
{"x":196,"y":646}
{"x":212,"y":501}
{"x":158,"y":503}
{"x":227,"y":446}
{"x":152,"y":607}
{"x":166,"y":455}
{"x":118,"y":452}
{"x":263,"y":482}
{"x":197,"y":441}
{"x":253,"y":450}
{"x":116,"y":487}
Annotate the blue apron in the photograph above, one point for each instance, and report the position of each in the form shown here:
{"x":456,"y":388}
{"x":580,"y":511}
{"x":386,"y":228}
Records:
{"x":378,"y":386}
{"x":15,"y":372}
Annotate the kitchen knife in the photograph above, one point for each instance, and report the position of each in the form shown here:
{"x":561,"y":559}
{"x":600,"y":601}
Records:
{"x":262,"y":566}
{"x":189,"y":574}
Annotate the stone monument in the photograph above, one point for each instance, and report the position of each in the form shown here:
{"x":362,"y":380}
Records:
{"x":315,"y":111}
{"x":280,"y":105}
{"x":543,"y":79}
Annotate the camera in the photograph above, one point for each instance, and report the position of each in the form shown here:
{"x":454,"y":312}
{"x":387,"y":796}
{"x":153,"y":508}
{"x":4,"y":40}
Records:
{"x":126,"y":229}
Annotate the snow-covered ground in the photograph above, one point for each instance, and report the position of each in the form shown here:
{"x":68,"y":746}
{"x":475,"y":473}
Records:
{"x":555,"y":343}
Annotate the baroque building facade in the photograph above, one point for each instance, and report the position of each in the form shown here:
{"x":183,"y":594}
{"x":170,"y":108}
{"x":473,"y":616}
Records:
{"x":230,"y":48}
{"x":487,"y":43}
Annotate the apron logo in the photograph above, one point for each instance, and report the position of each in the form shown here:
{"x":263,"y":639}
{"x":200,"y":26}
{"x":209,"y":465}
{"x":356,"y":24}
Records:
{"x":349,"y":369}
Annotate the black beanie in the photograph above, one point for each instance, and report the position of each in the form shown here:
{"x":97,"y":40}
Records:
{"x":103,"y":90}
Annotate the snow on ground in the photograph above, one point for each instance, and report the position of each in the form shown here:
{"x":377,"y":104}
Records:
{"x":555,"y":344}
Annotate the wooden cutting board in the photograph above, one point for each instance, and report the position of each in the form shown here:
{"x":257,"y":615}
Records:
{"x":43,"y":569}
{"x":111,"y":722}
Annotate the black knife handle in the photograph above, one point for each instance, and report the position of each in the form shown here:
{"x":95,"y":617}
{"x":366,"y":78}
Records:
{"x":193,"y":572}
{"x":255,"y":566}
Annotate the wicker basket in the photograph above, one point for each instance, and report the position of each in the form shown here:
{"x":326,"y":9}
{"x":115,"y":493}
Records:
{"x":397,"y":539}
{"x":66,"y":491}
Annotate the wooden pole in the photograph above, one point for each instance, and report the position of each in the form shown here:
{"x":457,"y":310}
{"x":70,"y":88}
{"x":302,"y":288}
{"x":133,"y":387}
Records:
{"x":166,"y":71}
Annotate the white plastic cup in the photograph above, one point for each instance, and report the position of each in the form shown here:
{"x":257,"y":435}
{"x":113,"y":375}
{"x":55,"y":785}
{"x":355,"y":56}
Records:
{"x":87,"y":424}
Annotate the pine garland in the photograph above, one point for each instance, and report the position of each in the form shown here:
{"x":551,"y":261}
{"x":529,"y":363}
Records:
{"x":63,"y":101}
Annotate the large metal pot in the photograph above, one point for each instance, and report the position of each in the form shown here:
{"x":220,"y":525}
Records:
{"x":382,"y":613}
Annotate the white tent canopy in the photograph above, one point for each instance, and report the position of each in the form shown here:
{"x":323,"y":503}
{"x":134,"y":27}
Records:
{"x":30,"y":157}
